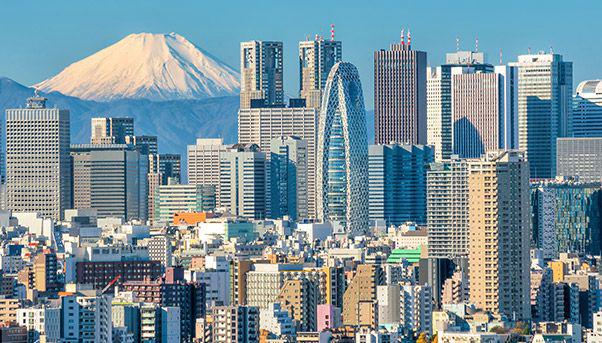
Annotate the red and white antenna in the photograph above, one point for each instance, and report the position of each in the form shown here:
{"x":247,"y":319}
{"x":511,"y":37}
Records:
{"x":409,"y":38}
{"x":402,"y":37}
{"x":332,"y":32}
{"x":316,"y":37}
{"x":476,"y":44}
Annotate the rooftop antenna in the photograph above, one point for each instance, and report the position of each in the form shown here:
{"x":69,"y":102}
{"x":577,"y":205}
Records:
{"x":551,"y":50}
{"x":402,"y":37}
{"x":409,"y":39}
{"x":316,"y":37}
{"x":457,"y":43}
{"x":332,"y":32}
{"x":500,"y":56}
{"x":529,"y":50}
{"x":476,"y":44}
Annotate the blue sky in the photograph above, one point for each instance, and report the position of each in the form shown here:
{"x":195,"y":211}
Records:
{"x":40,"y":38}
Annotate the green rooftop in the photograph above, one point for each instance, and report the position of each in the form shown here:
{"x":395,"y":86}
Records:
{"x":411,"y":255}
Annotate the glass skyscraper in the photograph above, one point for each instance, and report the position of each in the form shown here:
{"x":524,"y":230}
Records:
{"x":342,"y":159}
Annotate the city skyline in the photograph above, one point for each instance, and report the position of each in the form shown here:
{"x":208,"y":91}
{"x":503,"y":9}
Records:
{"x":362,"y":28}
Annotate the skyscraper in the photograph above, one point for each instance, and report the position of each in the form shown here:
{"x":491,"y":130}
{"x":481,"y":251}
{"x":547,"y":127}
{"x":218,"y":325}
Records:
{"x":397,"y":182}
{"x":243,"y":181}
{"x":499,"y":234}
{"x":484,"y":115}
{"x":587,"y":109}
{"x":169,"y":168}
{"x":261,"y":125}
{"x":439,"y":99}
{"x":447,"y":208}
{"x":342,"y":180}
{"x":203,"y":161}
{"x":288,"y":178}
{"x":111,"y":130}
{"x":545,"y":85}
{"x":110,"y":178}
{"x":579,"y":158}
{"x":261,"y":74}
{"x":38,"y":168}
{"x":172,"y":199}
{"x":316,"y":58}
{"x":400,"y":95}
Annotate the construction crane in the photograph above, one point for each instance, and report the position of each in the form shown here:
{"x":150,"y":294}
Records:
{"x":110,"y":284}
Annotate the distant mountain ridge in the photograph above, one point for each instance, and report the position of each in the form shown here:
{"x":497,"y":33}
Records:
{"x":176,"y":123}
{"x":157,"y":67}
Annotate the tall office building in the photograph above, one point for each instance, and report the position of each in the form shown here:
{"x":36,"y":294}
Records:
{"x":261,"y":125}
{"x":499,"y":233}
{"x":342,"y":159}
{"x":579,"y":158}
{"x":400,"y":95}
{"x":439,"y":105}
{"x":316,"y":58}
{"x":288,"y":178}
{"x":170,"y":168}
{"x":447,"y":212}
{"x":38,"y":168}
{"x":111,"y":130}
{"x":397,"y":182}
{"x":545,"y":84}
{"x":261,"y":72}
{"x":243,"y":181}
{"x":110,"y":178}
{"x":587,"y":109}
{"x":203,"y":161}
{"x":484,"y":110}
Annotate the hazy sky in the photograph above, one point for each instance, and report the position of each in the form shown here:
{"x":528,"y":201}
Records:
{"x":40,"y":38}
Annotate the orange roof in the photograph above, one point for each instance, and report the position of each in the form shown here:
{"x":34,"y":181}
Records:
{"x":191,"y":218}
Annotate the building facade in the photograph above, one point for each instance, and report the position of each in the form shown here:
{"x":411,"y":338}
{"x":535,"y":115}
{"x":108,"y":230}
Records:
{"x":499,"y":234}
{"x":316,"y":58}
{"x":38,"y":168}
{"x":342,"y":158}
{"x":111,"y":130}
{"x":397,"y":182}
{"x":172,"y":199}
{"x":545,"y":84}
{"x":288,"y":178}
{"x":400,"y":95}
{"x":579,"y":158}
{"x":261,"y":71}
{"x":587,"y":109}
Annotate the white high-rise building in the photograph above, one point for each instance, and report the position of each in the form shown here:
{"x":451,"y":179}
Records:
{"x":316,"y":58}
{"x":261,"y":74}
{"x":243,"y":181}
{"x":342,"y":151}
{"x":42,"y":321}
{"x":416,"y":307}
{"x":38,"y":168}
{"x":203,"y":162}
{"x":545,"y":85}
{"x":86,"y":319}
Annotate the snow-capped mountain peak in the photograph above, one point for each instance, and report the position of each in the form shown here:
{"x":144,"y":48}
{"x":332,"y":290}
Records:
{"x":146,"y":66}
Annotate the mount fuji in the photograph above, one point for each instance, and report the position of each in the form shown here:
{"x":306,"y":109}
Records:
{"x":156,"y":67}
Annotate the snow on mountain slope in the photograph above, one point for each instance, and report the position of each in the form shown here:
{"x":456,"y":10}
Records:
{"x":148,"y":66}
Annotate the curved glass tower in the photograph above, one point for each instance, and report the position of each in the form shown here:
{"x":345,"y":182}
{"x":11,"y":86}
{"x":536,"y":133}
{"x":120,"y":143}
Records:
{"x":342,"y":156}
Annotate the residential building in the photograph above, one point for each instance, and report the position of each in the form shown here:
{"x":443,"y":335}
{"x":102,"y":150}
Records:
{"x":499,"y":233}
{"x":38,"y":168}
{"x":86,"y":319}
{"x":300,"y":298}
{"x":447,"y":209}
{"x":360,"y":299}
{"x":342,"y":153}
{"x":236,"y":324}
{"x":400,"y":95}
